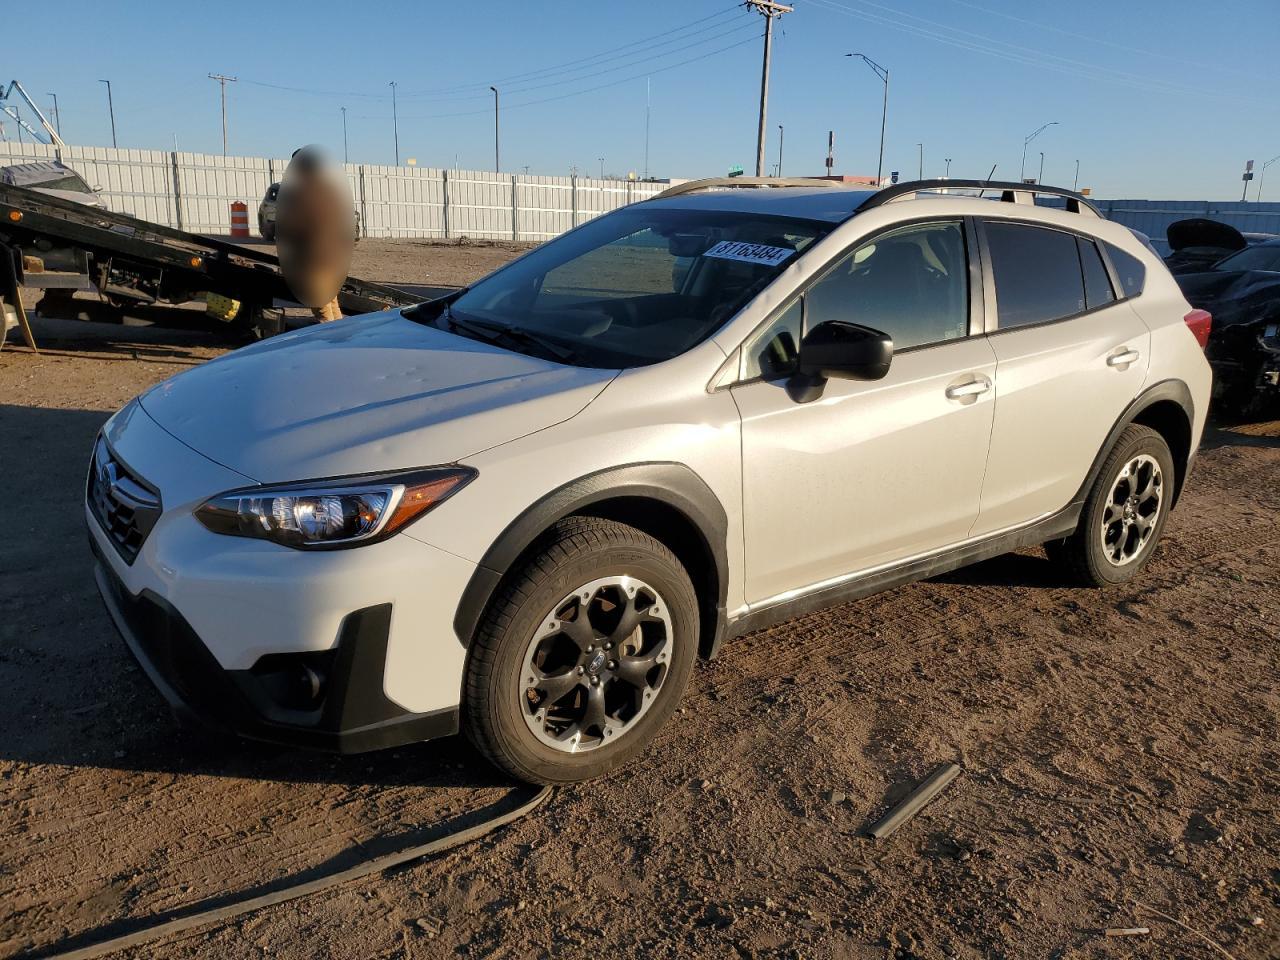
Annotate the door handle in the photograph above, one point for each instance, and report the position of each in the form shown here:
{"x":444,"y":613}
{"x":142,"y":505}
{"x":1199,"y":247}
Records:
{"x":971,"y":388}
{"x":1123,"y":358}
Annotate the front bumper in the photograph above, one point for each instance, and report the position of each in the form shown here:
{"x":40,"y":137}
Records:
{"x":351,"y":714}
{"x":225,"y":625}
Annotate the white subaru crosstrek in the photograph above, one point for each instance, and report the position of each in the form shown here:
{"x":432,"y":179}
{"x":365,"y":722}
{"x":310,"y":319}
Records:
{"x":526,"y":508}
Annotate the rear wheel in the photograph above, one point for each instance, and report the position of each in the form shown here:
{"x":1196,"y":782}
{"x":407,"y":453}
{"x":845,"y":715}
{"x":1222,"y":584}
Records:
{"x":583,"y":655}
{"x":1124,"y":514}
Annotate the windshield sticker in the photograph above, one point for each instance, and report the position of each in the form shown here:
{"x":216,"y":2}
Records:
{"x":749,"y":252}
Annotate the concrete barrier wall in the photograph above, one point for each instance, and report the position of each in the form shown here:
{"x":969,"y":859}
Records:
{"x":194,"y":192}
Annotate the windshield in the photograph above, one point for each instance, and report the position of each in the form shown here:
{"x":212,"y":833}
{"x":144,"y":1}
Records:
{"x":70,"y":182}
{"x":637,"y":286}
{"x":1252,"y":258}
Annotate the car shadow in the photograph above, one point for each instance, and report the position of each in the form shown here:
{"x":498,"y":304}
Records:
{"x":1022,"y":569}
{"x":1231,"y":433}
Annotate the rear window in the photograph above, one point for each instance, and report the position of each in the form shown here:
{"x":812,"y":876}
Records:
{"x":1037,"y":274}
{"x":1132,"y":272}
{"x":1097,"y":284}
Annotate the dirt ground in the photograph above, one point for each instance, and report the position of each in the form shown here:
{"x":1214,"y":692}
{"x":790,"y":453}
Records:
{"x":1118,"y":748}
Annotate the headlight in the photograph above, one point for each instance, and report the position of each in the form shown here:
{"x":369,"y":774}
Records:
{"x":344,"y":512}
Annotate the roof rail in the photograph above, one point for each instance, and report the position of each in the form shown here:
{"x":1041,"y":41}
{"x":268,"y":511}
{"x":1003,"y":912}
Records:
{"x":1009,"y":192}
{"x":723,"y":183}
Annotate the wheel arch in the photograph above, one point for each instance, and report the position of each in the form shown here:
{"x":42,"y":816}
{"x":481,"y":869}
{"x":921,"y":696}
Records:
{"x":1166,"y":407}
{"x":668,"y":501}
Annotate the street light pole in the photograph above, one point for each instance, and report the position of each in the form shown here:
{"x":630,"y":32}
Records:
{"x":1075,"y":184}
{"x":57,"y":117}
{"x":345,"y":158}
{"x":395,"y":121}
{"x":223,"y":83}
{"x":1040,"y":176}
{"x":1022,"y":174}
{"x":601,"y":168}
{"x":920,"y":173}
{"x":948,"y":173}
{"x":779,"y":150}
{"x":111,"y":109}
{"x":883,"y":74}
{"x":1263,"y":176}
{"x":496,"y":165}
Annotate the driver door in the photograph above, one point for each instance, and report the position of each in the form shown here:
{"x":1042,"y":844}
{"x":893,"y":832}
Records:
{"x":871,"y":472}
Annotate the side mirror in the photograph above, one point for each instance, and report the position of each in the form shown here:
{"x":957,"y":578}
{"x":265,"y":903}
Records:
{"x":843,"y":350}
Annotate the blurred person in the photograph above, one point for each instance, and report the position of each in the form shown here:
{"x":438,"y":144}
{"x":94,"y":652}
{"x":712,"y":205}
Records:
{"x":315,"y":231}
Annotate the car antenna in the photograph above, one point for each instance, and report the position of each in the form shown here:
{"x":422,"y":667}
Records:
{"x":988,"y":180}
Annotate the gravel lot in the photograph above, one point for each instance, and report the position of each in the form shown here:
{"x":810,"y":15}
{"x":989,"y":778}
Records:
{"x":1118,"y":748}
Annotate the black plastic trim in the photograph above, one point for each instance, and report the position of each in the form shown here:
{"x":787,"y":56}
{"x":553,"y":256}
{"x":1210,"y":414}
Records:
{"x":1174,"y":390}
{"x":354,"y":716}
{"x":1058,"y":525}
{"x":672,"y":484}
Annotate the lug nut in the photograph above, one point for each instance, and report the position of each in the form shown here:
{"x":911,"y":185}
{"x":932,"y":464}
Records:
{"x":581,"y":671}
{"x":595,"y":681}
{"x":613,"y":664}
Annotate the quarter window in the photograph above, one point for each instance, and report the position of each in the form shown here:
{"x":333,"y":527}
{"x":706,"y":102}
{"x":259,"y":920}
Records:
{"x":912,"y":284}
{"x":1097,"y":284}
{"x":1131,"y":270}
{"x":1037,"y":274}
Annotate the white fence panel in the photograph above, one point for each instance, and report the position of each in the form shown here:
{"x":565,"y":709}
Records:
{"x":194,"y":192}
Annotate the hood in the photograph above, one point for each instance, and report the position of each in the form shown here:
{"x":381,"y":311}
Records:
{"x":1199,"y":232}
{"x":366,"y":394}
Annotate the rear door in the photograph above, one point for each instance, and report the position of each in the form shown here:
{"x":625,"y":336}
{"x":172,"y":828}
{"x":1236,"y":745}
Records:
{"x":1070,"y":355}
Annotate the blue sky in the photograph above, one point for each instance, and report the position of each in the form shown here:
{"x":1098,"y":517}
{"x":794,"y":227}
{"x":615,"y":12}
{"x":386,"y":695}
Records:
{"x":1155,"y":99}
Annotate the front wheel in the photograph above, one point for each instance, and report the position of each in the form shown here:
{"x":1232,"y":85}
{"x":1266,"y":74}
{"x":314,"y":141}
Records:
{"x":1124,"y":514}
{"x":582,"y":655}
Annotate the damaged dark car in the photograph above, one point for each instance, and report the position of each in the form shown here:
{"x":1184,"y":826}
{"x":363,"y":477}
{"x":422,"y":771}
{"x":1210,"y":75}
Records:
{"x":1198,"y":243}
{"x":1242,"y":291}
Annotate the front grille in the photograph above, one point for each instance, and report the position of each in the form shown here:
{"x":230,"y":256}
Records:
{"x":126,"y":506}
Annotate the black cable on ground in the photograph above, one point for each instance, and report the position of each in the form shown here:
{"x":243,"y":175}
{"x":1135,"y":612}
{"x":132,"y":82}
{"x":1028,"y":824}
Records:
{"x":229,"y":911}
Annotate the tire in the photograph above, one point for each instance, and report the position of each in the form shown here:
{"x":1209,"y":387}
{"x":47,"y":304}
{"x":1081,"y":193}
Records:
{"x":536,"y":673}
{"x":1114,"y":540}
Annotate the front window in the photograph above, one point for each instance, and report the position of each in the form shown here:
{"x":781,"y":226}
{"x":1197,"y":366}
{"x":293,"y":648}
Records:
{"x":1252,"y":258}
{"x":70,"y":182}
{"x":637,"y":286}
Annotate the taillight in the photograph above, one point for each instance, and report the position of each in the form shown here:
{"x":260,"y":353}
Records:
{"x":1200,"y":323}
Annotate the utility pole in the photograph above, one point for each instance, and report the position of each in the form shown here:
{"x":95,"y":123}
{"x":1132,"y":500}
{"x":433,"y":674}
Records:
{"x":779,"y":150}
{"x":920,"y":174}
{"x":395,"y":122}
{"x":344,"y":135}
{"x":883,"y":74}
{"x":770,"y":11}
{"x":647,"y":109}
{"x":1075,"y":184}
{"x":111,"y":109}
{"x":57,"y":117}
{"x":223,"y":82}
{"x":1022,"y":173}
{"x":496,"y":167}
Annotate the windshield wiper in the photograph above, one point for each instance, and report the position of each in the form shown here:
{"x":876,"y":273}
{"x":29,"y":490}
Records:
{"x":493,"y":332}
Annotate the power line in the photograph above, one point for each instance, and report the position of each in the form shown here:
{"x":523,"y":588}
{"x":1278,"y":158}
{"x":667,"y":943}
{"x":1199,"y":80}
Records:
{"x":574,"y":93}
{"x":674,"y":35}
{"x":991,"y":47}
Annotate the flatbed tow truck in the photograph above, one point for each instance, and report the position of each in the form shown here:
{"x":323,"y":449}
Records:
{"x":58,"y":245}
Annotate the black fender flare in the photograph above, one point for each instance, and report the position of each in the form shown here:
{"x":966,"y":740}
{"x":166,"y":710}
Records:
{"x":673,"y":485}
{"x":1175,"y":390}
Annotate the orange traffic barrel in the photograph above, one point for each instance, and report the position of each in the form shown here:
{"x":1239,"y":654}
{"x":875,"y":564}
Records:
{"x":239,"y":219}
